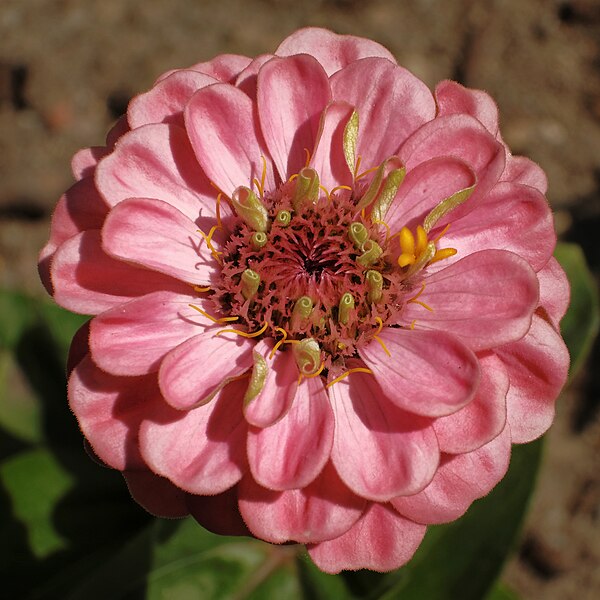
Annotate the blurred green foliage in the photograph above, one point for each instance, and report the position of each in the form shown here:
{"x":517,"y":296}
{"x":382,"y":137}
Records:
{"x":70,"y":529}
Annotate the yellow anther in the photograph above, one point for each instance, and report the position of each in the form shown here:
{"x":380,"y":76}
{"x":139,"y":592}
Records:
{"x":213,"y":319}
{"x":421,"y":241}
{"x":442,"y":254}
{"x":407,"y":242}
{"x":244,"y":333}
{"x":279,"y":343}
{"x":344,"y":375}
{"x":376,"y":337}
{"x":406,"y":259}
{"x":379,"y":325}
{"x":197,"y":288}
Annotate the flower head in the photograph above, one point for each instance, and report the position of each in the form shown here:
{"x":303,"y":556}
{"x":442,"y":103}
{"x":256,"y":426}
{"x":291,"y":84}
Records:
{"x":325,"y":300}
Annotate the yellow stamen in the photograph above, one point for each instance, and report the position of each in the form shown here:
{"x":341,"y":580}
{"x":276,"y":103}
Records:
{"x":207,"y":239}
{"x":243,"y":333}
{"x":405,"y":259}
{"x":316,"y":373}
{"x":376,"y":337}
{"x":379,"y":325}
{"x":421,"y":241}
{"x":389,"y":231}
{"x":442,"y":254}
{"x":279,"y":343}
{"x":340,"y":187}
{"x":326,"y":192}
{"x":407,"y":241}
{"x":442,"y":233}
{"x":344,"y":375}
{"x":307,"y":151}
{"x":219,"y":196}
{"x":358,"y":159}
{"x":413,"y":323}
{"x":366,"y":172}
{"x":202,"y":289}
{"x":292,"y":177}
{"x":418,"y":294}
{"x":213,"y":319}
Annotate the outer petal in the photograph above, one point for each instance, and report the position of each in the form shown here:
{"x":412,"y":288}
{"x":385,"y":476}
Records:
{"x":459,"y":481}
{"x":328,"y":159}
{"x":379,"y":450}
{"x":224,"y":67}
{"x":109,"y":411}
{"x":486,"y":299}
{"x":537,"y":366}
{"x":247,"y":79}
{"x":291,"y":453}
{"x":394,"y":102}
{"x":428,"y":373}
{"x":524,"y":171}
{"x":554,"y":291}
{"x":323,"y":510}
{"x":156,"y":161}
{"x":84,"y":161}
{"x":481,"y":420}
{"x":291,"y":95}
{"x":164,"y":103}
{"x":465,"y":138}
{"x":511,"y":217}
{"x":381,"y":540}
{"x":424,"y":187}
{"x":88,"y":281}
{"x":156,"y":494}
{"x":133,"y":338}
{"x":201,"y":451}
{"x":219,"y":513}
{"x":156,"y":236}
{"x":453,"y":98}
{"x":333,"y":51}
{"x":279,"y":388}
{"x":192,"y":373}
{"x":224,"y":131}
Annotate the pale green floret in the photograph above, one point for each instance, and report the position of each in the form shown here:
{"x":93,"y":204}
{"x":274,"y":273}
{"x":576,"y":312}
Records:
{"x":250,"y":209}
{"x":250,"y":283}
{"x":307,"y":353}
{"x":283,"y":218}
{"x":387,"y":194}
{"x":358,"y":234}
{"x":345,"y":308}
{"x":445,"y":206}
{"x":371,"y":253}
{"x":302,"y":311}
{"x":375,"y":285}
{"x":350,"y":141}
{"x":259,"y":240}
{"x":307,"y":188}
{"x":257,"y":379}
{"x":381,"y":181}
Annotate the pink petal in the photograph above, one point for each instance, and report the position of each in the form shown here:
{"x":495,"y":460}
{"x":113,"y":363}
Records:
{"x":462,"y":137}
{"x":379,"y":450}
{"x":292,"y":93}
{"x":328,"y":159}
{"x":381,"y":540}
{"x":291,"y":453}
{"x":219,"y":514}
{"x":510,"y":217}
{"x":429,"y":373}
{"x":394,"y":102}
{"x":537,"y":366}
{"x":554,"y":291}
{"x":247,"y":79}
{"x":156,"y":494}
{"x":109,"y":411}
{"x":453,"y":98}
{"x":88,"y":281}
{"x":486,"y":299}
{"x":424,"y":187}
{"x":164,"y":103}
{"x":323,"y":510}
{"x":79,"y":347}
{"x":133,"y":338}
{"x":279,"y":388}
{"x":524,"y":171}
{"x":482,"y":419}
{"x":84,"y":161}
{"x":223,"y":128}
{"x":333,"y":51}
{"x":156,"y":236}
{"x":117,"y":131}
{"x":193,"y":372}
{"x":202,"y":451}
{"x":460,"y":480}
{"x":156,"y":161}
{"x":224,"y":67}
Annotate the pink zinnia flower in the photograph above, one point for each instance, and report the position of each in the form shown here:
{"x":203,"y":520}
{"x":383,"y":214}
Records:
{"x":325,"y":299}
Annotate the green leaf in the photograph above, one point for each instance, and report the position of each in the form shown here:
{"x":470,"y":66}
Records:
{"x":579,"y":326}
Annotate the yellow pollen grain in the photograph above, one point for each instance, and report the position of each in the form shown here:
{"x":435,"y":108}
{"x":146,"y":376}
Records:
{"x":344,"y":375}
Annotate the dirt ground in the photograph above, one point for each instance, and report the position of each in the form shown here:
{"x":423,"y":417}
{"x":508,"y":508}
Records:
{"x":69,"y":67}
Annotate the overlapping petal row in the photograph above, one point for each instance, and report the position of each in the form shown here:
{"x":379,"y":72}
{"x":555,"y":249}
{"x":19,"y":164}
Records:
{"x":414,"y":418}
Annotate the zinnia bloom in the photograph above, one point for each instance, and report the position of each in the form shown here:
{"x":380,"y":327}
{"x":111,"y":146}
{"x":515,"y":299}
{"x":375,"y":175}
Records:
{"x":324,"y":299}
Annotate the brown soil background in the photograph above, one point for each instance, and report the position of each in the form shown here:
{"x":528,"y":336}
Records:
{"x":69,"y":67}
